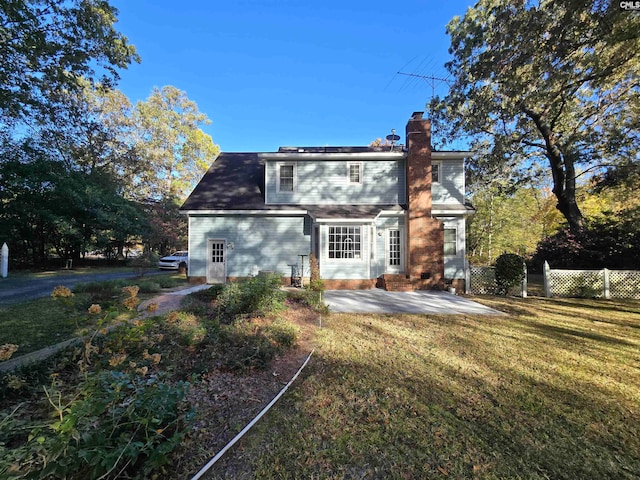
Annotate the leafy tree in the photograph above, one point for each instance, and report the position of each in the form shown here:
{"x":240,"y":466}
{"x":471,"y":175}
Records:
{"x":48,"y":45}
{"x":167,"y":227}
{"x":98,"y":137}
{"x":545,"y":86}
{"x":609,"y":242}
{"x":508,"y":220}
{"x":176,"y":150}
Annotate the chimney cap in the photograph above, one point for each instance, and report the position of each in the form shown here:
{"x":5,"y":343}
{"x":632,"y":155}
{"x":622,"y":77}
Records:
{"x":417,"y":115}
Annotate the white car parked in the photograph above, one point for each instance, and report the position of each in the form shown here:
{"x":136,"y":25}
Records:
{"x":174,"y":261}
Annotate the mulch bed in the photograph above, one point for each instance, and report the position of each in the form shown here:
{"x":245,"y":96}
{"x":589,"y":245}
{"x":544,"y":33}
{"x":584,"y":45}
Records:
{"x":225,"y":402}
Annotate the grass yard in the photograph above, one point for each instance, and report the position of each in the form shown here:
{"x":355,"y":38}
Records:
{"x":43,"y":322}
{"x":550,"y":391}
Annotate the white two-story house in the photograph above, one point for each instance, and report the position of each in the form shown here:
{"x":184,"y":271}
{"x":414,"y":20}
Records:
{"x":390,"y":216}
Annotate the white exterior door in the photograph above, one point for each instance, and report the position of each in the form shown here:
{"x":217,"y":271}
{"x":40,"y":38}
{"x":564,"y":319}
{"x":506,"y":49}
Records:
{"x":394,"y":250}
{"x":216,"y":261}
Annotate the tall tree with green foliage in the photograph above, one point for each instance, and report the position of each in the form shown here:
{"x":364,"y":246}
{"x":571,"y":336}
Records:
{"x":48,"y":45}
{"x":176,"y":150}
{"x":550,"y":86}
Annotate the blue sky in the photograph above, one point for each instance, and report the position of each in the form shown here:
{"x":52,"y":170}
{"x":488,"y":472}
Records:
{"x":286,"y":72}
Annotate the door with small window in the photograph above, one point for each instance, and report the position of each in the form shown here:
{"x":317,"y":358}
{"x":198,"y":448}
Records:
{"x":216,"y":261}
{"x":394,"y":248}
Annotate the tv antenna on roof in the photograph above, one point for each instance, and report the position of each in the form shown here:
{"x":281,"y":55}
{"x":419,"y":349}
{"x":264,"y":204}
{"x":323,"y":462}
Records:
{"x":431,"y":80}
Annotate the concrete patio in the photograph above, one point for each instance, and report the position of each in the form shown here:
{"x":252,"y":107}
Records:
{"x":422,"y":301}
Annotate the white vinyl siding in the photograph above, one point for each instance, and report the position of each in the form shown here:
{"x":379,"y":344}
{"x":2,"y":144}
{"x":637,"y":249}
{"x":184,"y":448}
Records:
{"x":270,"y":242}
{"x":454,"y":264}
{"x":449,"y":187}
{"x":327,"y":182}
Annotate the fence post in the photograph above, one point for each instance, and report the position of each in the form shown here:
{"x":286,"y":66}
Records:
{"x":606,"y":292}
{"x":524,"y":281}
{"x":547,"y":279}
{"x":4,"y":260}
{"x":467,"y":278}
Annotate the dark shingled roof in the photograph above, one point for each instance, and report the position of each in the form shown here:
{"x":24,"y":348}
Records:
{"x":349,"y":211}
{"x":235,"y":181}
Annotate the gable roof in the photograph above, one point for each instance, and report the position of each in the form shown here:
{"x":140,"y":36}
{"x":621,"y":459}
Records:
{"x":235,"y":181}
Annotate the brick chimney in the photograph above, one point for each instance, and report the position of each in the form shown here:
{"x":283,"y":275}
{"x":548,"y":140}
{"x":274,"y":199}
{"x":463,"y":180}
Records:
{"x":425,"y":235}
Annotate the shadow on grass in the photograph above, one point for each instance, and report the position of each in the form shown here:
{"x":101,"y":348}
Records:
{"x":364,"y":417}
{"x":562,"y":333}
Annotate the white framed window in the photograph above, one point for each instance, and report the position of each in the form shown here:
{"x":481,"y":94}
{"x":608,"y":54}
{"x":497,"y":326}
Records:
{"x":345,"y":242}
{"x":354,"y":172}
{"x":450,"y":241}
{"x":286,"y":177}
{"x":435,"y":172}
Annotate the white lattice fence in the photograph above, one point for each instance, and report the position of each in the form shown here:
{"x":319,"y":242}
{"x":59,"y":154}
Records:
{"x":576,"y":283}
{"x":624,"y":284}
{"x":483,"y":280}
{"x":592,"y":283}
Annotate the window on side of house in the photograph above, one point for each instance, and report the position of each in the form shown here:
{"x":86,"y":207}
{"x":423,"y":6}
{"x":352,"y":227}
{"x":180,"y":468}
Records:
{"x":286,"y":177}
{"x":450,"y":241}
{"x":435,"y":172}
{"x":345,"y":242}
{"x":355,"y":172}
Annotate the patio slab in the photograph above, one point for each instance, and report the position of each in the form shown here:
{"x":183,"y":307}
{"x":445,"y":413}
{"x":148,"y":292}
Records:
{"x":421,"y":301}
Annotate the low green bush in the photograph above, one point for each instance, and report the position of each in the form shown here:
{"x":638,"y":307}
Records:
{"x":149,"y":286}
{"x":309,"y":297}
{"x":259,"y":295}
{"x":209,"y":294}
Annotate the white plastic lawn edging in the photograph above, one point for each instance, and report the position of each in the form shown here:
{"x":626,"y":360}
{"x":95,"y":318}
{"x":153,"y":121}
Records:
{"x":252,"y":423}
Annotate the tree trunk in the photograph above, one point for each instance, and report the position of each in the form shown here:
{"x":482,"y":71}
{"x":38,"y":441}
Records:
{"x":564,"y":187}
{"x":562,"y":162}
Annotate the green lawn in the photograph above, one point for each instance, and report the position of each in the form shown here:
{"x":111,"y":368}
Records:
{"x":43,"y":322}
{"x":550,"y":391}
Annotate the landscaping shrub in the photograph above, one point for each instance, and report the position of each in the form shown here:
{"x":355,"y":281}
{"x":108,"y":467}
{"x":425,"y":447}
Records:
{"x":309,"y":297}
{"x":168,"y":281}
{"x":149,"y":286}
{"x":509,"y":272}
{"x":209,"y":294}
{"x":187,"y":328}
{"x":259,"y":295}
{"x":315,"y":282}
{"x":117,"y":423}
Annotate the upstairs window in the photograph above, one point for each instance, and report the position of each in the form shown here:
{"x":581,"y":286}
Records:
{"x":355,"y":172}
{"x":286,"y":177}
{"x":450,"y":241}
{"x":345,"y":243}
{"x":435,"y":172}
